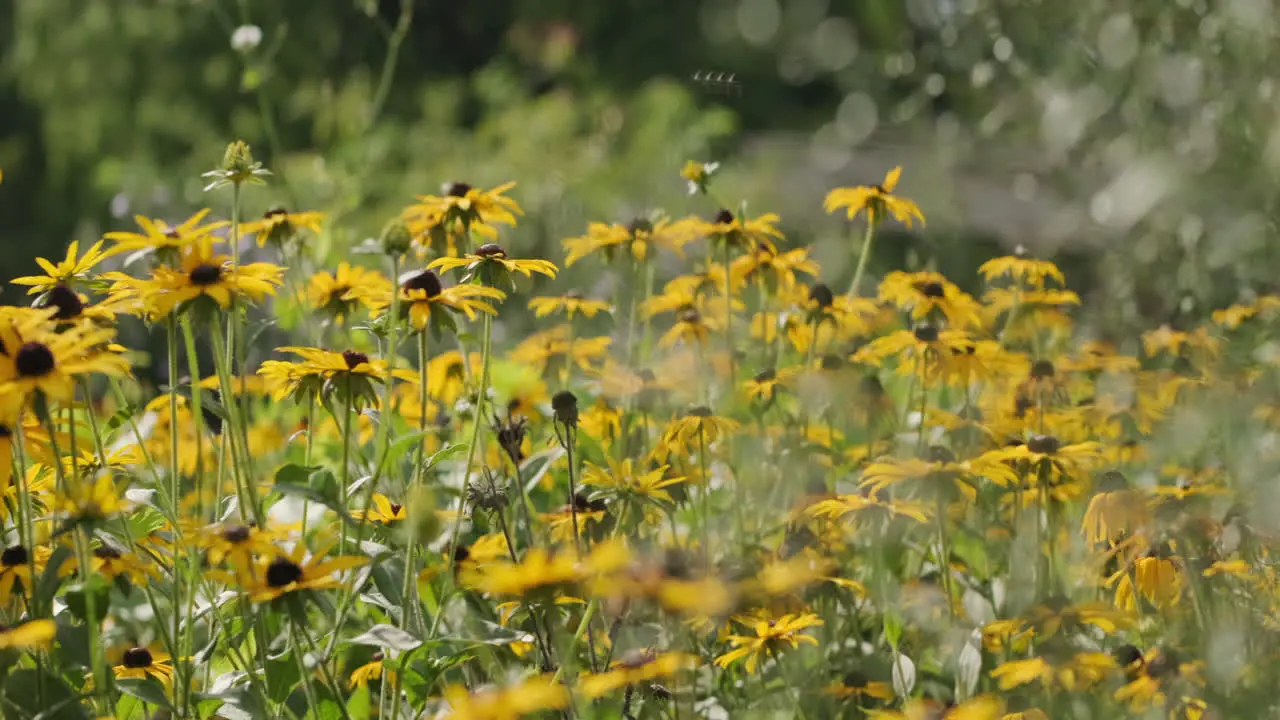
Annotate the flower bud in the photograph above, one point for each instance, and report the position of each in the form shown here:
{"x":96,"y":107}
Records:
{"x":396,"y":238}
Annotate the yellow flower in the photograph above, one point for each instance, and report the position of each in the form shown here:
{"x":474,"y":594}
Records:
{"x":204,"y":274}
{"x":570,"y":304}
{"x":530,"y":696}
{"x":32,"y":634}
{"x":940,"y":467}
{"x":72,"y":268}
{"x":292,"y":572}
{"x":93,"y":500}
{"x":636,"y":237}
{"x":923,"y":293}
{"x":490,"y":265}
{"x":983,"y":707}
{"x":423,"y":298}
{"x":159,"y":235}
{"x":744,"y":232}
{"x":140,"y":663}
{"x":1166,"y":339}
{"x":699,"y":175}
{"x":279,"y":225}
{"x":237,"y":545}
{"x":463,"y":208}
{"x":350,"y":374}
{"x":541,"y":570}
{"x":361,"y":676}
{"x":338,"y":293}
{"x":16,"y":563}
{"x":696,"y":430}
{"x":627,"y":484}
{"x":642,"y":667}
{"x":764,"y":264}
{"x":771,"y":636}
{"x":383,"y":511}
{"x":1023,"y":270}
{"x":886,"y":509}
{"x":1076,"y":672}
{"x":40,"y":358}
{"x":876,"y":200}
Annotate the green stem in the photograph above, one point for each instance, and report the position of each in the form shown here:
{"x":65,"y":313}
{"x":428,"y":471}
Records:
{"x":862,"y":258}
{"x":478,"y":416}
{"x":576,"y":640}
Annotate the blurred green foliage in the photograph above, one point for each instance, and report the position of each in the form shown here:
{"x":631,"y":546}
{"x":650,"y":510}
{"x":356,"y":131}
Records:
{"x":1136,"y":135}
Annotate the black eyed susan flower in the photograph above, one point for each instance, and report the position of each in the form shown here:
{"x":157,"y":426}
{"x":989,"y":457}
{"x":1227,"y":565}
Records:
{"x":141,"y":663}
{"x":15,"y":570}
{"x":29,"y":635}
{"x":205,"y":274}
{"x":940,"y":466}
{"x":571,"y":303}
{"x":924,"y":295}
{"x":463,"y":208}
{"x":70,"y":307}
{"x":278,"y":226}
{"x":337,"y":294}
{"x":983,"y":707}
{"x":1041,"y":450}
{"x":856,"y":686}
{"x":530,"y":696}
{"x":1114,"y":510}
{"x":764,"y":386}
{"x":283,"y":573}
{"x":1061,"y":670}
{"x":1161,"y":680}
{"x":73,"y":268}
{"x":490,"y":266}
{"x":112,"y":562}
{"x":869,"y":508}
{"x":638,"y":239}
{"x":234,"y":544}
{"x":924,"y":351}
{"x":625,"y":484}
{"x":428,"y":303}
{"x":697,"y":429}
{"x":37,"y":359}
{"x":383,"y":511}
{"x":543,"y":572}
{"x":159,"y":235}
{"x":1027,"y":272}
{"x":876,"y":200}
{"x":548,"y":350}
{"x":349,"y":375}
{"x":743,"y":232}
{"x":637,"y":668}
{"x":372,"y":670}
{"x":774,"y":269}
{"x":692,"y":327}
{"x":772,"y":635}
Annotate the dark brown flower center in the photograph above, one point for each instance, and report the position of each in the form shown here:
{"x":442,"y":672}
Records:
{"x":490,"y":250}
{"x":1041,"y":369}
{"x":640,"y":225}
{"x":940,"y":454}
{"x":354,"y":358}
{"x":427,"y":281}
{"x":14,"y":556}
{"x":205,"y":274}
{"x":822,"y":295}
{"x":931,"y":289}
{"x":690,"y":315}
{"x":459,"y":189}
{"x":283,"y":572}
{"x":65,"y":300}
{"x":766,"y":375}
{"x":396,"y":508}
{"x":1044,"y":444}
{"x":701,"y":411}
{"x":832,"y":362}
{"x":724,"y":217}
{"x":275,"y":212}
{"x":926,"y":333}
{"x":106,"y":552}
{"x":6,"y":432}
{"x":34,"y":360}
{"x":235,"y":534}
{"x":137,"y":658}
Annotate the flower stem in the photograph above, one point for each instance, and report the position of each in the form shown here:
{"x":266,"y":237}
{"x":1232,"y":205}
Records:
{"x":478,"y":415}
{"x":865,"y":253}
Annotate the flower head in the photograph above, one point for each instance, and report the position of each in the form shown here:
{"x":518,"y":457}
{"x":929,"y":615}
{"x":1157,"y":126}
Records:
{"x":875,"y":200}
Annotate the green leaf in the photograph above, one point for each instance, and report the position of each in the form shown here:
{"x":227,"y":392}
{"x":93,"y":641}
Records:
{"x":96,"y":587}
{"x":23,"y":687}
{"x":295,"y":474}
{"x":537,"y":465}
{"x":360,"y":704}
{"x":388,"y":577}
{"x":443,"y":454}
{"x":50,"y":580}
{"x":145,"y":521}
{"x":237,"y":704}
{"x":148,"y":690}
{"x":402,"y":444}
{"x":282,"y":676}
{"x":387,"y":636}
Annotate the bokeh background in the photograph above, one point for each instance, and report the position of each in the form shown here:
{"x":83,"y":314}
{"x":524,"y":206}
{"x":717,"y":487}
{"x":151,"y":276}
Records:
{"x":1135,"y":141}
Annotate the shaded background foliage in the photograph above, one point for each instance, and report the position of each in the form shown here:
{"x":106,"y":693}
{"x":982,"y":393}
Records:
{"x":1138,"y":138}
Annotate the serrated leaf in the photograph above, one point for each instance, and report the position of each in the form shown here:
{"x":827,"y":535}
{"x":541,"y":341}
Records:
{"x":387,"y":637}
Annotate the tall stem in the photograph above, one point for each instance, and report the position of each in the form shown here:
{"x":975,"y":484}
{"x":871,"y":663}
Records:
{"x":478,"y":416}
{"x":862,"y":258}
{"x":728,"y":320}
